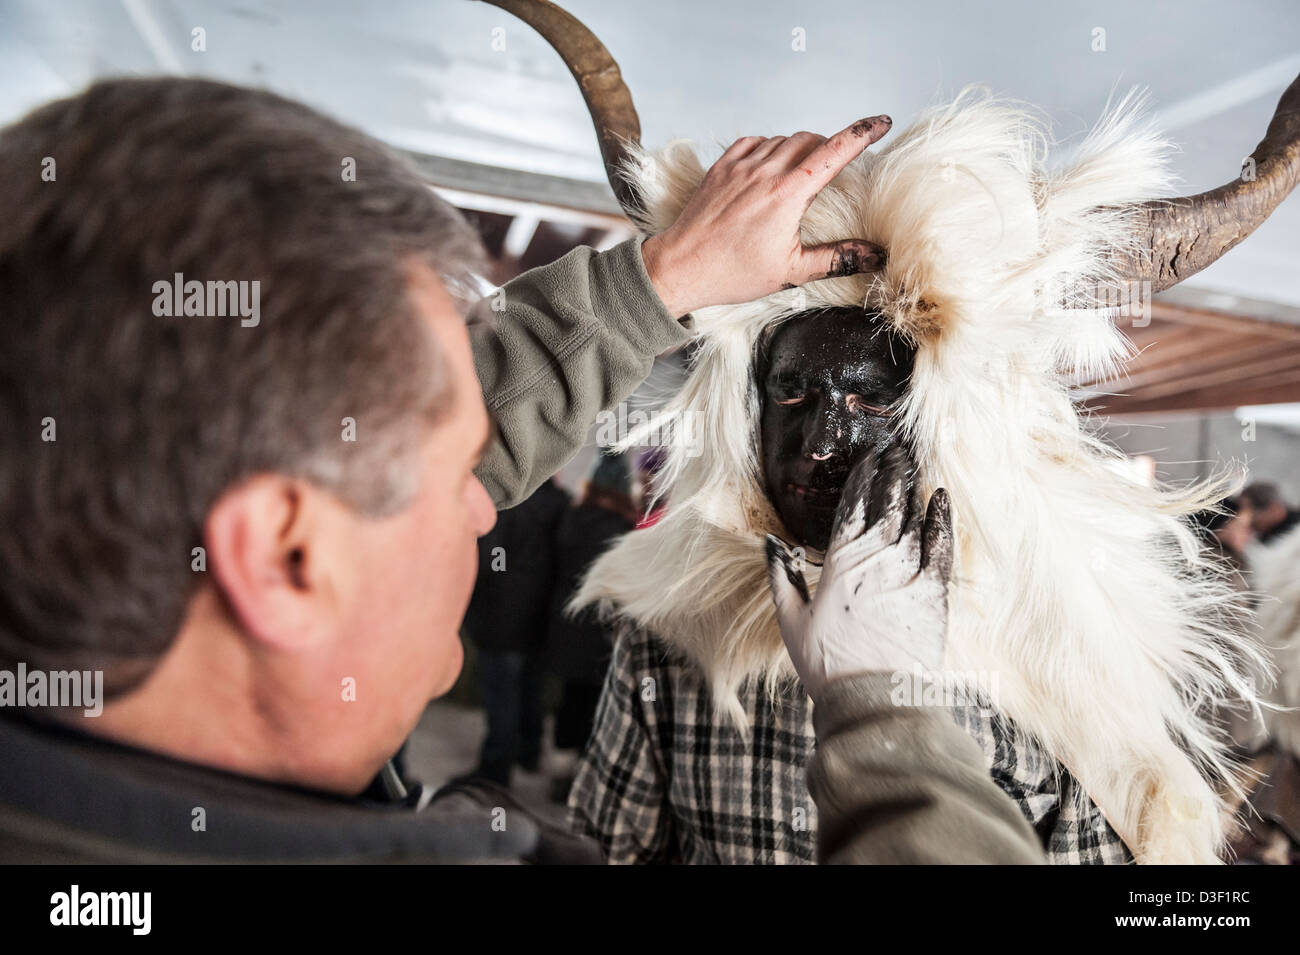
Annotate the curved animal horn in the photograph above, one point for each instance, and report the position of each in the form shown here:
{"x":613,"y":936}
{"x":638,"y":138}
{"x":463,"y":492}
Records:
{"x":1182,"y":236}
{"x":598,"y":76}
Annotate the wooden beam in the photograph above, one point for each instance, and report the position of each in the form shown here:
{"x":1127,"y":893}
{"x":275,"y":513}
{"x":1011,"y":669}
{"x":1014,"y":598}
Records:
{"x":1209,"y":356}
{"x":1160,"y":333}
{"x":1242,"y":324}
{"x":1192,"y":358}
{"x":1167,"y":340}
{"x":1258,"y":372}
{"x":1280,"y":388}
{"x":1190,"y":343}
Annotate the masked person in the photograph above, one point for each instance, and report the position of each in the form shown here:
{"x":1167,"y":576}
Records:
{"x":1088,"y":631}
{"x":829,"y":384}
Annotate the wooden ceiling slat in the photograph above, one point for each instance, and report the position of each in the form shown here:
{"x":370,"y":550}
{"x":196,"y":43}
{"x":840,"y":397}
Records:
{"x":1280,"y":361}
{"x":1158,"y":331}
{"x":1182,"y":315}
{"x":1176,"y":344}
{"x":1279,"y":388}
{"x":1210,"y":355}
{"x":1193,"y":359}
{"x":1194,"y":341}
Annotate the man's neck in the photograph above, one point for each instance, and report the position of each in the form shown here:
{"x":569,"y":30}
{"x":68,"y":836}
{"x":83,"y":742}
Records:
{"x":204,"y":703}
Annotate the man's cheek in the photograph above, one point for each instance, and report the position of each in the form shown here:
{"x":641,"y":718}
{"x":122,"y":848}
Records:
{"x":469,"y":564}
{"x":462,"y":545}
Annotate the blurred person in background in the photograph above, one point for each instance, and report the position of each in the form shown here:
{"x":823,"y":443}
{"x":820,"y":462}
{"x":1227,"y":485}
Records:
{"x":507,"y":621}
{"x":1271,"y":829}
{"x":1271,"y":515}
{"x":580,"y":645}
{"x":1269,"y":832}
{"x":652,"y":498}
{"x":1228,"y":532}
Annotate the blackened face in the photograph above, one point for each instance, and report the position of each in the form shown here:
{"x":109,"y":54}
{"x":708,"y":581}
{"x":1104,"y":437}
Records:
{"x":829,"y":386}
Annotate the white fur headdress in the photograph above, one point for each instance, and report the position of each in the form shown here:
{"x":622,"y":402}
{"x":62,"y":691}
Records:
{"x":1077,"y":585}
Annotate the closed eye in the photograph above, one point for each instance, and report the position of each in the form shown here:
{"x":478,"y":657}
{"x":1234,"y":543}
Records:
{"x":861,"y":405}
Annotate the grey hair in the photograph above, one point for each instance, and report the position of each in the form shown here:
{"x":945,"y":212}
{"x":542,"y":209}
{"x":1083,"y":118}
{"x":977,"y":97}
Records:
{"x":154,"y":417}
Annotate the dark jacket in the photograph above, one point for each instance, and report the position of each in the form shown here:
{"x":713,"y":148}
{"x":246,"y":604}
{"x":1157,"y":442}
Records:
{"x":67,"y":797}
{"x":516,"y":575}
{"x":580,"y":645}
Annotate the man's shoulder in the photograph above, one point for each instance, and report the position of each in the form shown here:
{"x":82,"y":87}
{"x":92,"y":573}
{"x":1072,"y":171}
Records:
{"x":67,"y":796}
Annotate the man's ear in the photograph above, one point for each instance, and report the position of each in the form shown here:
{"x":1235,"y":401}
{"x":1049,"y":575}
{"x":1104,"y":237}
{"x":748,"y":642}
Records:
{"x":269,"y":560}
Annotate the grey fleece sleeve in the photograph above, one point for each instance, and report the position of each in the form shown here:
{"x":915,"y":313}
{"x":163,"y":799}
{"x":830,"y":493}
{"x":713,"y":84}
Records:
{"x":905,"y":784}
{"x":556,"y":346}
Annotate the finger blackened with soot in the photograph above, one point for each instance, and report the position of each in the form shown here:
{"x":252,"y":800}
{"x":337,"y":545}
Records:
{"x":856,"y":488}
{"x":889,"y":493}
{"x":778,"y":555}
{"x":936,"y":538}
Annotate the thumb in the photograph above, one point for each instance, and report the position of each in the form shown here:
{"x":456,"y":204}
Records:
{"x":837,"y":259}
{"x":789,"y":589}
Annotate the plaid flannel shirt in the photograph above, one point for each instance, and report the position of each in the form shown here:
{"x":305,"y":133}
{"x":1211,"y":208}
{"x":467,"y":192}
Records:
{"x":663,"y":781}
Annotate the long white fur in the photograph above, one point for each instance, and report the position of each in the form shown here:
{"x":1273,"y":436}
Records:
{"x":1080,"y":587}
